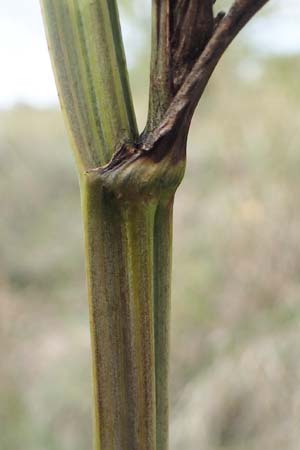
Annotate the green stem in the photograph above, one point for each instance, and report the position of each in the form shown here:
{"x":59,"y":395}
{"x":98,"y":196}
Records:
{"x":119,"y":243}
{"x":128,"y":229}
{"x":89,"y":64}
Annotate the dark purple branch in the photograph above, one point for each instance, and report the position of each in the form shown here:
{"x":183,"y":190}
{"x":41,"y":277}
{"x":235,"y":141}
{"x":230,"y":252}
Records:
{"x":180,"y":32}
{"x":177,"y":118}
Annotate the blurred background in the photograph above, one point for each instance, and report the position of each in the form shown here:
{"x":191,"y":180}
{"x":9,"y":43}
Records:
{"x":235,"y":369}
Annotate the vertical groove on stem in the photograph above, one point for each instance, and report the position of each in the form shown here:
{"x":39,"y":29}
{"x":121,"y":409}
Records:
{"x":162,"y":297}
{"x":139,"y":220}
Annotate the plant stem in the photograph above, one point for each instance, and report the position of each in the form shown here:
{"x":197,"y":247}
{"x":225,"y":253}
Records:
{"x":128,"y":254}
{"x":128,"y":183}
{"x":127,"y":216}
{"x":163,"y":229}
{"x":87,"y":53}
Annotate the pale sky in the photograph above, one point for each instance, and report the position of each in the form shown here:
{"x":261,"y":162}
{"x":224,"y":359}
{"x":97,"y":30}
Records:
{"x":26,"y":74}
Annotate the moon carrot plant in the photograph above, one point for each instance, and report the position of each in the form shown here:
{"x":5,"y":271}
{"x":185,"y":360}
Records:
{"x":128,"y":181}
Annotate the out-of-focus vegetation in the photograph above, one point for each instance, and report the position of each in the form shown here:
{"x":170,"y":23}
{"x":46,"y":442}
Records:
{"x":235,"y":366}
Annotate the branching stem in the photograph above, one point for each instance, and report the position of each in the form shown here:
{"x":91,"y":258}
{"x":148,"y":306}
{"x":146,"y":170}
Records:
{"x":128,"y":183}
{"x":179,"y":114}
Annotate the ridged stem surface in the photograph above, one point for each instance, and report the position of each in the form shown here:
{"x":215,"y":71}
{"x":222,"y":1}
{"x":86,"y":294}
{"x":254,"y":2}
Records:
{"x":86,"y":48}
{"x":128,"y":254}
